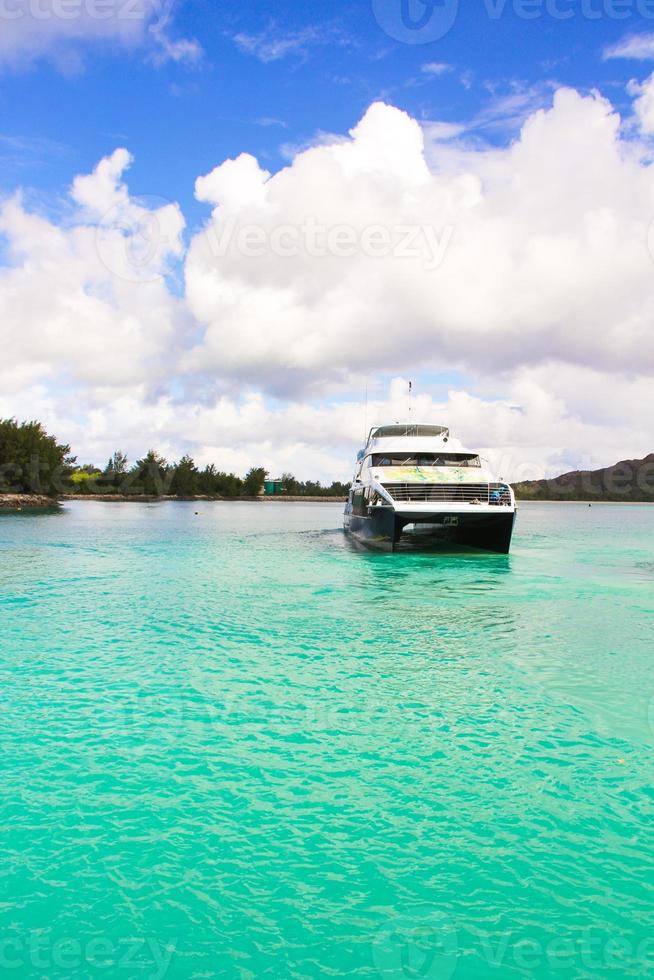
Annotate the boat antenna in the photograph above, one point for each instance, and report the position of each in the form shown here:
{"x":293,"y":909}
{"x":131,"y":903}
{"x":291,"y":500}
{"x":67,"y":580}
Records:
{"x":365,"y":416}
{"x":409,"y":418}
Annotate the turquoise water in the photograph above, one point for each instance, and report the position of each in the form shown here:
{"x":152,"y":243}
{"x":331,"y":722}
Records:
{"x":235,"y":746}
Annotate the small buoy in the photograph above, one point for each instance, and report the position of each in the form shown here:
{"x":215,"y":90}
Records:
{"x":621,"y":762}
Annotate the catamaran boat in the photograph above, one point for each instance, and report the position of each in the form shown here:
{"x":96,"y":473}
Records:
{"x":413,"y":482}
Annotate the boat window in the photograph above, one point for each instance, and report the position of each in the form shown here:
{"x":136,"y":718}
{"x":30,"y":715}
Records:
{"x":359,"y":502}
{"x":425,"y":459}
{"x":408,"y":429}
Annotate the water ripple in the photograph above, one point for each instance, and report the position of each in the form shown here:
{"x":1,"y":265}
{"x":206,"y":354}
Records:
{"x":240,"y":747}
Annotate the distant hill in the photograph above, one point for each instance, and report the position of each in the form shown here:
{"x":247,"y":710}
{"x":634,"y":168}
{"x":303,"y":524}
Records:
{"x":631,"y":480}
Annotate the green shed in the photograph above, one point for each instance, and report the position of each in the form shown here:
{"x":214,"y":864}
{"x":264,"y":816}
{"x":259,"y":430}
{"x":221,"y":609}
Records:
{"x":273,"y":488}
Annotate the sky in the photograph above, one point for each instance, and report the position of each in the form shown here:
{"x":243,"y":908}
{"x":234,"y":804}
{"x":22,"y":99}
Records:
{"x":238,"y":231}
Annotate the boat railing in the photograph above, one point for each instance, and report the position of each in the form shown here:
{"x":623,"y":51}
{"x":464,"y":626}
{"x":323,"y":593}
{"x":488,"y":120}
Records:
{"x":493,"y":494}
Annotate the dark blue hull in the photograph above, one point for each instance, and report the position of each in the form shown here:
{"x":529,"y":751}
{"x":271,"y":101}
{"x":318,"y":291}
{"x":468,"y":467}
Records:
{"x":382,"y":528}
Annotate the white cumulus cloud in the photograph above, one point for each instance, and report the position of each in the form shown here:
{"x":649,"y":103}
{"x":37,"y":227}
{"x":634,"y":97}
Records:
{"x":359,"y":256}
{"x":644,"y":104}
{"x":62,"y":29}
{"x":86,"y":301}
{"x":374,"y":256}
{"x":638,"y":47}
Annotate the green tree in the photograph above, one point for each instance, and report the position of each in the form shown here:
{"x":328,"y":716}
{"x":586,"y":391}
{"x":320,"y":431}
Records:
{"x":115,"y":471}
{"x":84,"y":479}
{"x":207,"y":480}
{"x":229,"y":485}
{"x":216,"y":484}
{"x":185,"y":482}
{"x":253,"y":483}
{"x":31,"y":461}
{"x":312,"y":489}
{"x":151,"y":475}
{"x":291,"y":486}
{"x":338,"y":489}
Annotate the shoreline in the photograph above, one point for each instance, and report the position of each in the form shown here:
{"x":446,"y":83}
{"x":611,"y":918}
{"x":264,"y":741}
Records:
{"x":33,"y":501}
{"x":27,"y":501}
{"x":619,"y":503}
{"x":136,"y":498}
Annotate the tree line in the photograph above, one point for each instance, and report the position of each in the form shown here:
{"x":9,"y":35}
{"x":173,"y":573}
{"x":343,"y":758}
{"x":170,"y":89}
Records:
{"x":31,"y":461}
{"x":154,"y":476}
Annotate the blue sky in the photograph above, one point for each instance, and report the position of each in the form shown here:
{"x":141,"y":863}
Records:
{"x":270,"y":77}
{"x":514,"y":139}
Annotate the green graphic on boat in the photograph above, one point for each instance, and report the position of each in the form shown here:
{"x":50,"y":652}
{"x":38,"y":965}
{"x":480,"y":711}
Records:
{"x":431,"y":474}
